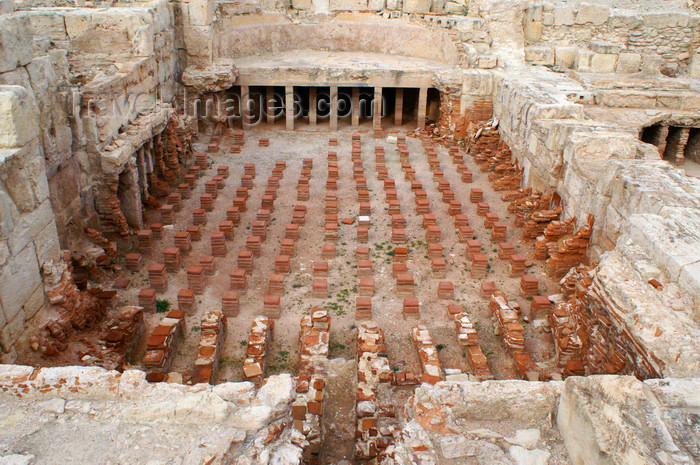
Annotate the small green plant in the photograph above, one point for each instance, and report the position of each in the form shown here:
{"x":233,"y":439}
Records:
{"x":196,"y":328}
{"x":439,"y":347}
{"x":162,"y":305}
{"x":243,"y":343}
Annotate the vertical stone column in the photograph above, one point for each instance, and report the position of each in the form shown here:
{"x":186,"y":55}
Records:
{"x":334,"y":108}
{"x":355,"y":106}
{"x":398,"y":108}
{"x":142,"y":169}
{"x":245,"y":110}
{"x":661,"y":140}
{"x":289,"y":106}
{"x":422,"y":106}
{"x":377,"y":109}
{"x":312,"y":106}
{"x":270,"y":104}
{"x":680,"y":148}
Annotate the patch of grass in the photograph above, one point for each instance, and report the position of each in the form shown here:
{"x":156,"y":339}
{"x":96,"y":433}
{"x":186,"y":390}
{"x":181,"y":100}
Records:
{"x":162,"y":305}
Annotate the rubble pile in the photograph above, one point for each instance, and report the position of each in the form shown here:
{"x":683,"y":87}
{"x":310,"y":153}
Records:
{"x":469,"y":340}
{"x":259,"y":341}
{"x":428,"y":355}
{"x":162,"y":344}
{"x":507,"y":324}
{"x":118,"y":339}
{"x":570,"y":252}
{"x":307,"y":408}
{"x":70,"y":309}
{"x":211,"y":339}
{"x":375,"y":422}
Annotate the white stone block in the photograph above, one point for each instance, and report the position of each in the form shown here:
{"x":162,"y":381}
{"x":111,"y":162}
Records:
{"x":563,"y":16}
{"x":628,"y":63}
{"x":539,"y":55}
{"x":417,"y":6}
{"x":594,"y":14}
{"x":565,"y":56}
{"x":15,"y":42}
{"x":49,"y":24}
{"x":201,"y":12}
{"x":19,"y":117}
{"x":18,"y":281}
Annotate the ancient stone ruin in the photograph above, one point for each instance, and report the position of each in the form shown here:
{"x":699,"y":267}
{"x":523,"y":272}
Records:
{"x":381,"y":232}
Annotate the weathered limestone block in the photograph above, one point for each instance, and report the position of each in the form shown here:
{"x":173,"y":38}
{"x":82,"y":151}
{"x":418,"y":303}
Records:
{"x":19,"y":278}
{"x":694,"y":68}
{"x":199,"y":44}
{"x":201,"y":12}
{"x":15,"y":41}
{"x":540,"y":55}
{"x":594,"y":14}
{"x":533,"y":31}
{"x":6,"y":7}
{"x":12,"y":331}
{"x":628,"y":63}
{"x":590,"y":62}
{"x":417,"y":6}
{"x":220,"y":76}
{"x":19,"y":117}
{"x":348,"y":5}
{"x":563,"y":16}
{"x":49,"y":24}
{"x":595,"y":412}
{"x":565,"y":56}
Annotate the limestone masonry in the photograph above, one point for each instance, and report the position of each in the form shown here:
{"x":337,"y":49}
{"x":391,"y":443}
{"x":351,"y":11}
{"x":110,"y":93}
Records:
{"x":381,"y":232}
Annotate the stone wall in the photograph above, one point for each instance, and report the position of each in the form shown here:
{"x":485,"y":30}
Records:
{"x":595,"y":38}
{"x":32,"y":137}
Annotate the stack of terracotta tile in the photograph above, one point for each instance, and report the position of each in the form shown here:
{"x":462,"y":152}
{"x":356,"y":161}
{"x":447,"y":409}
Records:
{"x":196,"y":279}
{"x":167,"y":213}
{"x":328,"y":251}
{"x":362,"y":234}
{"x":206,"y":202}
{"x":207,"y":262}
{"x":282,"y":264}
{"x":171,"y":257}
{"x":476,"y":195}
{"x":367,"y":287}
{"x":429,"y":219}
{"x":256,"y":352}
{"x":157,"y":229}
{"x":505,"y":250}
{"x":144,"y":239}
{"x":398,"y":221}
{"x":199,"y":216}
{"x":446,"y":290}
{"x":438,"y":267}
{"x":464,"y":233}
{"x":287,"y":246}
{"x":175,"y":199}
{"x":211,"y":340}
{"x":428,"y":355}
{"x":405,"y":284}
{"x":245,"y":260}
{"x":570,"y":252}
{"x":364,"y":268}
{"x":291,"y":231}
{"x":210,"y":187}
{"x":275,"y":284}
{"x":498,"y":231}
{"x":399,"y":268}
{"x":161,"y":345}
{"x":506,"y":320}
{"x":320,"y":269}
{"x":455,"y":208}
{"x":435,"y":251}
{"x":529,"y":285}
{"x":147,"y":299}
{"x":517,"y":265}
{"x":230,"y":303}
{"x":363,"y":308}
{"x":238,"y":279}
{"x":195,"y":233}
{"x":488,"y":288}
{"x":253,"y":244}
{"x":218,"y":244}
{"x":398,"y":235}
{"x":272,"y":306}
{"x":299,"y":214}
{"x":240,"y":203}
{"x":411,"y":307}
{"x":319,"y":288}
{"x":541,"y":306}
{"x":331,"y":232}
{"x":184,"y":190}
{"x":400,"y":254}
{"x":480,"y":266}
{"x":183,"y":241}
{"x":157,"y":277}
{"x":134,"y":261}
{"x":433,"y":234}
{"x":422,"y":206}
{"x":473,"y":247}
{"x":568,"y":343}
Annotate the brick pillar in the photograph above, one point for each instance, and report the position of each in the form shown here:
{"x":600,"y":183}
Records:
{"x":422,"y":106}
{"x":355,"y":106}
{"x":270,"y":104}
{"x":312,"y":106}
{"x":377,"y":109}
{"x":680,"y":148}
{"x":334,"y":108}
{"x":661,"y":140}
{"x":289,"y":106}
{"x":398,"y":108}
